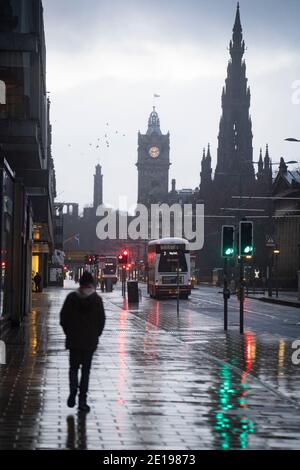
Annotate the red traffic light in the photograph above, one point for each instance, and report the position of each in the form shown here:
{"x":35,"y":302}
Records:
{"x":123,"y":257}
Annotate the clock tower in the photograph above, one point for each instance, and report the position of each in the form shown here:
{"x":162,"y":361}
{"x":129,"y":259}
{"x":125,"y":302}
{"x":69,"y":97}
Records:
{"x":153,"y":163}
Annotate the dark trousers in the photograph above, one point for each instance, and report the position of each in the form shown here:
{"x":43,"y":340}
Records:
{"x":79,"y":358}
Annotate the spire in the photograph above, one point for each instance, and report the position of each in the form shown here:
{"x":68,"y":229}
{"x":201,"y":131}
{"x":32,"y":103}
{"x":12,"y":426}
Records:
{"x":208,"y":155}
{"x":267,"y":160}
{"x":237,"y":45}
{"x":153,"y":123}
{"x":260,"y":163}
{"x":283,"y":166}
{"x":98,"y":187}
{"x":237,"y":28}
{"x":235,"y":139}
{"x":206,"y":169}
{"x":203,"y":163}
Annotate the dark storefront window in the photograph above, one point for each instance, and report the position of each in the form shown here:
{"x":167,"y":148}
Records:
{"x":6,"y":240}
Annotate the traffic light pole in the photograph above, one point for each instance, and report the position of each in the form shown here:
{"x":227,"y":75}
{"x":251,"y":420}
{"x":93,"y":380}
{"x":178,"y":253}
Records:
{"x":178,"y":288}
{"x":225,"y":295}
{"x":123,"y":281}
{"x":241,"y":295}
{"x":227,"y":251}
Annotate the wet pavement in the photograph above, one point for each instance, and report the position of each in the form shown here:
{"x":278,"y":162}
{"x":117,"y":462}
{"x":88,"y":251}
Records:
{"x":159,"y":381}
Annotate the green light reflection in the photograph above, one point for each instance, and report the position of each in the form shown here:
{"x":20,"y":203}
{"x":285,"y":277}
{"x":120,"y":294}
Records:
{"x":234,"y":429}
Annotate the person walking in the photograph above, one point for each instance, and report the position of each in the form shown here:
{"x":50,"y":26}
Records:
{"x":38,"y":282}
{"x":82,"y":318}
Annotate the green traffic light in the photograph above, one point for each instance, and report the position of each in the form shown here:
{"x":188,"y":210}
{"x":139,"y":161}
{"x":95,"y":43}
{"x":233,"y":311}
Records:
{"x":246,"y":247}
{"x":227,"y":248}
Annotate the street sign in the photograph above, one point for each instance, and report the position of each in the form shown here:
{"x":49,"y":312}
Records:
{"x":270,"y":240}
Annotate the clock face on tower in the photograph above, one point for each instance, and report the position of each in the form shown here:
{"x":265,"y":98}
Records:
{"x":154,"y":152}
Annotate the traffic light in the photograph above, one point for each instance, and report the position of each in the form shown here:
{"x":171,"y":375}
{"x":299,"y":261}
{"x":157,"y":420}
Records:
{"x":246,"y":238}
{"x":227,"y":250}
{"x":123,"y":257}
{"x":88,"y":259}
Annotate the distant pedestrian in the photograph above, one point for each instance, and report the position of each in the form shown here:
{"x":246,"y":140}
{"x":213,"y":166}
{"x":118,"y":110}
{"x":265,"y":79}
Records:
{"x":82,"y":318}
{"x":38,"y":282}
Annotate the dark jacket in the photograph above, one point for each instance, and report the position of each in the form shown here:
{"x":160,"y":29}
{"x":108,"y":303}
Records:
{"x":82,"y":318}
{"x":37,"y":279}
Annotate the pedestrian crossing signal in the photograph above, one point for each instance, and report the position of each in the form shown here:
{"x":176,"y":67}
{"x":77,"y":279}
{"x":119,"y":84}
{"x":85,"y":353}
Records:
{"x":227,"y":250}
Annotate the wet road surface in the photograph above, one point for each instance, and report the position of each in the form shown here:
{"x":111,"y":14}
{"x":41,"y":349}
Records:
{"x":159,"y":381}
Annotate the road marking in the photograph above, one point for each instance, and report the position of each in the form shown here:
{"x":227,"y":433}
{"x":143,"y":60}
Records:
{"x":237,"y":308}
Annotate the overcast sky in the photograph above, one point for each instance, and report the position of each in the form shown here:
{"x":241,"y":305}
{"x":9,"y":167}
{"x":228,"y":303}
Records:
{"x":106,"y":59}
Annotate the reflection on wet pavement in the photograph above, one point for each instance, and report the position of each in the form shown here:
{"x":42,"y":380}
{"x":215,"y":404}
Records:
{"x":158,"y":381}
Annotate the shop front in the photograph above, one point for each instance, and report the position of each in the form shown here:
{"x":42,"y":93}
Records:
{"x":6,"y":238}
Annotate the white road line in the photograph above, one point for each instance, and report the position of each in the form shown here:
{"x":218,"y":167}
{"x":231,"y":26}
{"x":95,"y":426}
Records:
{"x":237,"y":308}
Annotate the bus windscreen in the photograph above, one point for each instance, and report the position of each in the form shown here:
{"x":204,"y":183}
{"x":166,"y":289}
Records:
{"x":110,"y":266}
{"x":169,"y":261}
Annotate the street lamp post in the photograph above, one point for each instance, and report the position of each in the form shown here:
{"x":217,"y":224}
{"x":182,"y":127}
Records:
{"x":271,"y":231}
{"x":298,"y":271}
{"x":276,"y":253}
{"x":178,"y":285}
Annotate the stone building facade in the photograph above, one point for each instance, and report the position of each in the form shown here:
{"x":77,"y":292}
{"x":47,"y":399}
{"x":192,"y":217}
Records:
{"x":25,"y":139}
